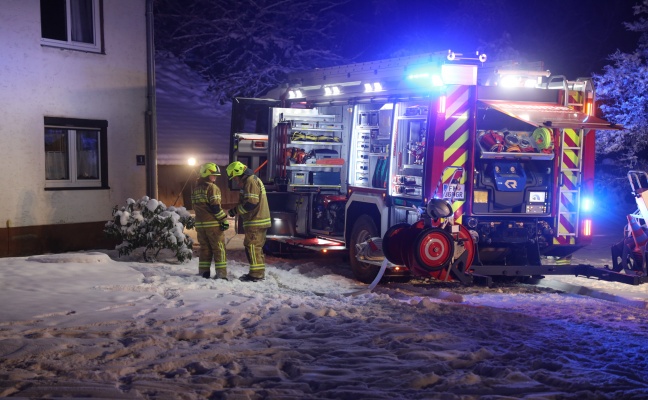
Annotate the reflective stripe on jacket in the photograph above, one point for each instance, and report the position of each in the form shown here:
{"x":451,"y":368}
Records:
{"x":206,"y":202}
{"x":253,"y":203}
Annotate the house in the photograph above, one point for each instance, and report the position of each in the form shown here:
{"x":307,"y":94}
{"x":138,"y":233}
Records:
{"x":77,"y":120}
{"x":190,"y":125}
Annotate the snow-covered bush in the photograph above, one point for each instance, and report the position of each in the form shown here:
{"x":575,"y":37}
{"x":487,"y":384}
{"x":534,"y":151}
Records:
{"x":149,"y":224}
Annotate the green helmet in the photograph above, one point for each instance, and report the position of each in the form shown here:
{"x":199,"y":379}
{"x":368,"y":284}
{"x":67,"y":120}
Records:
{"x":209,"y":169}
{"x":236,"y":168}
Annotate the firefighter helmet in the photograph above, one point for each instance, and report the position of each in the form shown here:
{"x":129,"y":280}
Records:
{"x":236,"y":168}
{"x":209,"y":169}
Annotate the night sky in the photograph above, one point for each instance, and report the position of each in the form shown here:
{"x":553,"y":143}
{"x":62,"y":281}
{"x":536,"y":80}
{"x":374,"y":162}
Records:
{"x":572,"y":37}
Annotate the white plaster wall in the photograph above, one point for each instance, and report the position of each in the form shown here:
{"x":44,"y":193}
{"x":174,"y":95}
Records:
{"x":38,"y":81}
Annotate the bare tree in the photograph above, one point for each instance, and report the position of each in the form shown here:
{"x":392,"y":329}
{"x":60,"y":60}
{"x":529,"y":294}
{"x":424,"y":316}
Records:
{"x":246,"y":47}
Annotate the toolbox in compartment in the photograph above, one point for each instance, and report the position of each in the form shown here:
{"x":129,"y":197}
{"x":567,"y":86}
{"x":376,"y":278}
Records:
{"x":320,"y":154}
{"x":300,"y":178}
{"x":325,"y":153}
{"x":324,"y":178}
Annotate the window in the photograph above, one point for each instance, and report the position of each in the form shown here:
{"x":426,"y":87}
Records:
{"x":75,"y":153}
{"x":73,"y":24}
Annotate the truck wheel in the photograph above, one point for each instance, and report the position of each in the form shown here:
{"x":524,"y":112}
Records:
{"x":363,"y":229}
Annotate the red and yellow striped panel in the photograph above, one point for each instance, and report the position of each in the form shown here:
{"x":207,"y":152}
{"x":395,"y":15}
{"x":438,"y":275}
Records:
{"x":568,"y":206}
{"x":576,"y":97}
{"x":455,"y":138}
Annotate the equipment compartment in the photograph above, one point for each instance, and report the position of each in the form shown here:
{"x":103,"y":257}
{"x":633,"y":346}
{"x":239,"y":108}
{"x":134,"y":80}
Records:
{"x":309,"y":141}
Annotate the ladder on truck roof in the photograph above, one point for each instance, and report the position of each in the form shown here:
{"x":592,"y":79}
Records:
{"x":579,"y":94}
{"x":392,"y":68}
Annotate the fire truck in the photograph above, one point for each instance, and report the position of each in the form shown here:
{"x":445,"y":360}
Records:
{"x":438,"y":165}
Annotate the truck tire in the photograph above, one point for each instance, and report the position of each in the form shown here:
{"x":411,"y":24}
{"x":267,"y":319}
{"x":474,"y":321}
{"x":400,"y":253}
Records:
{"x":363,"y":229}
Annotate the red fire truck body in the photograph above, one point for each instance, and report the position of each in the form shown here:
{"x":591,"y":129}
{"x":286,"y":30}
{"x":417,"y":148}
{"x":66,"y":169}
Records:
{"x":384,"y":149}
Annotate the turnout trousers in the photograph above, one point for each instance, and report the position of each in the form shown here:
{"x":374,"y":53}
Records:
{"x":254,"y":240}
{"x":212,"y":248}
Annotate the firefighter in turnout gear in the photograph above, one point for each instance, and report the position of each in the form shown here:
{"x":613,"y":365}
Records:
{"x":253,"y":209}
{"x":211,"y":222}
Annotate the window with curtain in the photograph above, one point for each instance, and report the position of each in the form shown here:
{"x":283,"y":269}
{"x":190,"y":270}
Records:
{"x":71,"y":24}
{"x":75,"y":156}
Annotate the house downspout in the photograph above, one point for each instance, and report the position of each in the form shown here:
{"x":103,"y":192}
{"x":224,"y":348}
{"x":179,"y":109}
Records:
{"x":151,"y":111}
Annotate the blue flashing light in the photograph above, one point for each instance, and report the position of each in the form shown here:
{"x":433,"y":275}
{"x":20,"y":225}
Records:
{"x":420,"y":75}
{"x":426,"y":76}
{"x":587,"y":204}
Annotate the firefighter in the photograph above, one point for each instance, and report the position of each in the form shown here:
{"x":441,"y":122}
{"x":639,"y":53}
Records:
{"x":211,"y":222}
{"x":253,"y":209}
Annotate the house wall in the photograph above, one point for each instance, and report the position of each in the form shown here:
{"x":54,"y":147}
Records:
{"x":37,"y":81}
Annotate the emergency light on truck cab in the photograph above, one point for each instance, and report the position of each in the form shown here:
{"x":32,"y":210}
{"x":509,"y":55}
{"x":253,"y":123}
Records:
{"x":368,"y":150}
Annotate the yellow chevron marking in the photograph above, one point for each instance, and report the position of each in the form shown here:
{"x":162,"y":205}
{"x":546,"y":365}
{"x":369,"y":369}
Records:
{"x":572,"y":155}
{"x":460,"y":119}
{"x":570,"y":240}
{"x":459,"y":162}
{"x":456,"y":146}
{"x":573,"y":177}
{"x":455,"y":206}
{"x":451,"y":109}
{"x":573,"y":135}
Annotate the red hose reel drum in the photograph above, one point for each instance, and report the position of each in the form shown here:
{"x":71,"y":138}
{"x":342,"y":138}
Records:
{"x":392,"y":243}
{"x":433,"y":249}
{"x":426,"y":251}
{"x":468,"y":245}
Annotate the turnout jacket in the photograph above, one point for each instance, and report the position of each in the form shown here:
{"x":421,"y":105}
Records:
{"x":206,"y":201}
{"x":253,"y":203}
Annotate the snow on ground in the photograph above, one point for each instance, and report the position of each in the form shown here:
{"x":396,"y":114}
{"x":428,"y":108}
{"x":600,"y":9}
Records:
{"x":92,"y":325}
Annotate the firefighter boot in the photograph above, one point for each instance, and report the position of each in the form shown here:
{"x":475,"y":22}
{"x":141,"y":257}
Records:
{"x":221,"y":273}
{"x":250,"y":278}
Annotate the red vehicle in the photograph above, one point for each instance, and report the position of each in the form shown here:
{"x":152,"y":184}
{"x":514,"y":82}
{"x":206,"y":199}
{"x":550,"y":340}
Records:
{"x":461,"y":168}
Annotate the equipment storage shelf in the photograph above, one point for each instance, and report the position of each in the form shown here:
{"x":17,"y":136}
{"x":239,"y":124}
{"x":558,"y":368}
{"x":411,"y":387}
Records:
{"x":320,"y":186}
{"x":316,"y":130}
{"x":370,"y":147}
{"x":314,"y":148}
{"x":311,"y":166}
{"x":515,"y":145}
{"x":409,"y":148}
{"x":299,"y":142}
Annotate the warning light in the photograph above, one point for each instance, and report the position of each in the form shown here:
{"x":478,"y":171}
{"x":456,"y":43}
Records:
{"x":587,"y":227}
{"x":295,"y":94}
{"x":442,"y":105}
{"x":375,"y":87}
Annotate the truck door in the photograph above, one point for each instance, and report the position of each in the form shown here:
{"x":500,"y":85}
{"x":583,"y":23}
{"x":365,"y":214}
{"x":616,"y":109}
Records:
{"x":249,"y":134}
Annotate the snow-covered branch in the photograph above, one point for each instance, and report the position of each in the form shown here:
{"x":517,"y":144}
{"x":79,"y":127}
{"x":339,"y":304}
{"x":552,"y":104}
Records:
{"x":244,"y":48}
